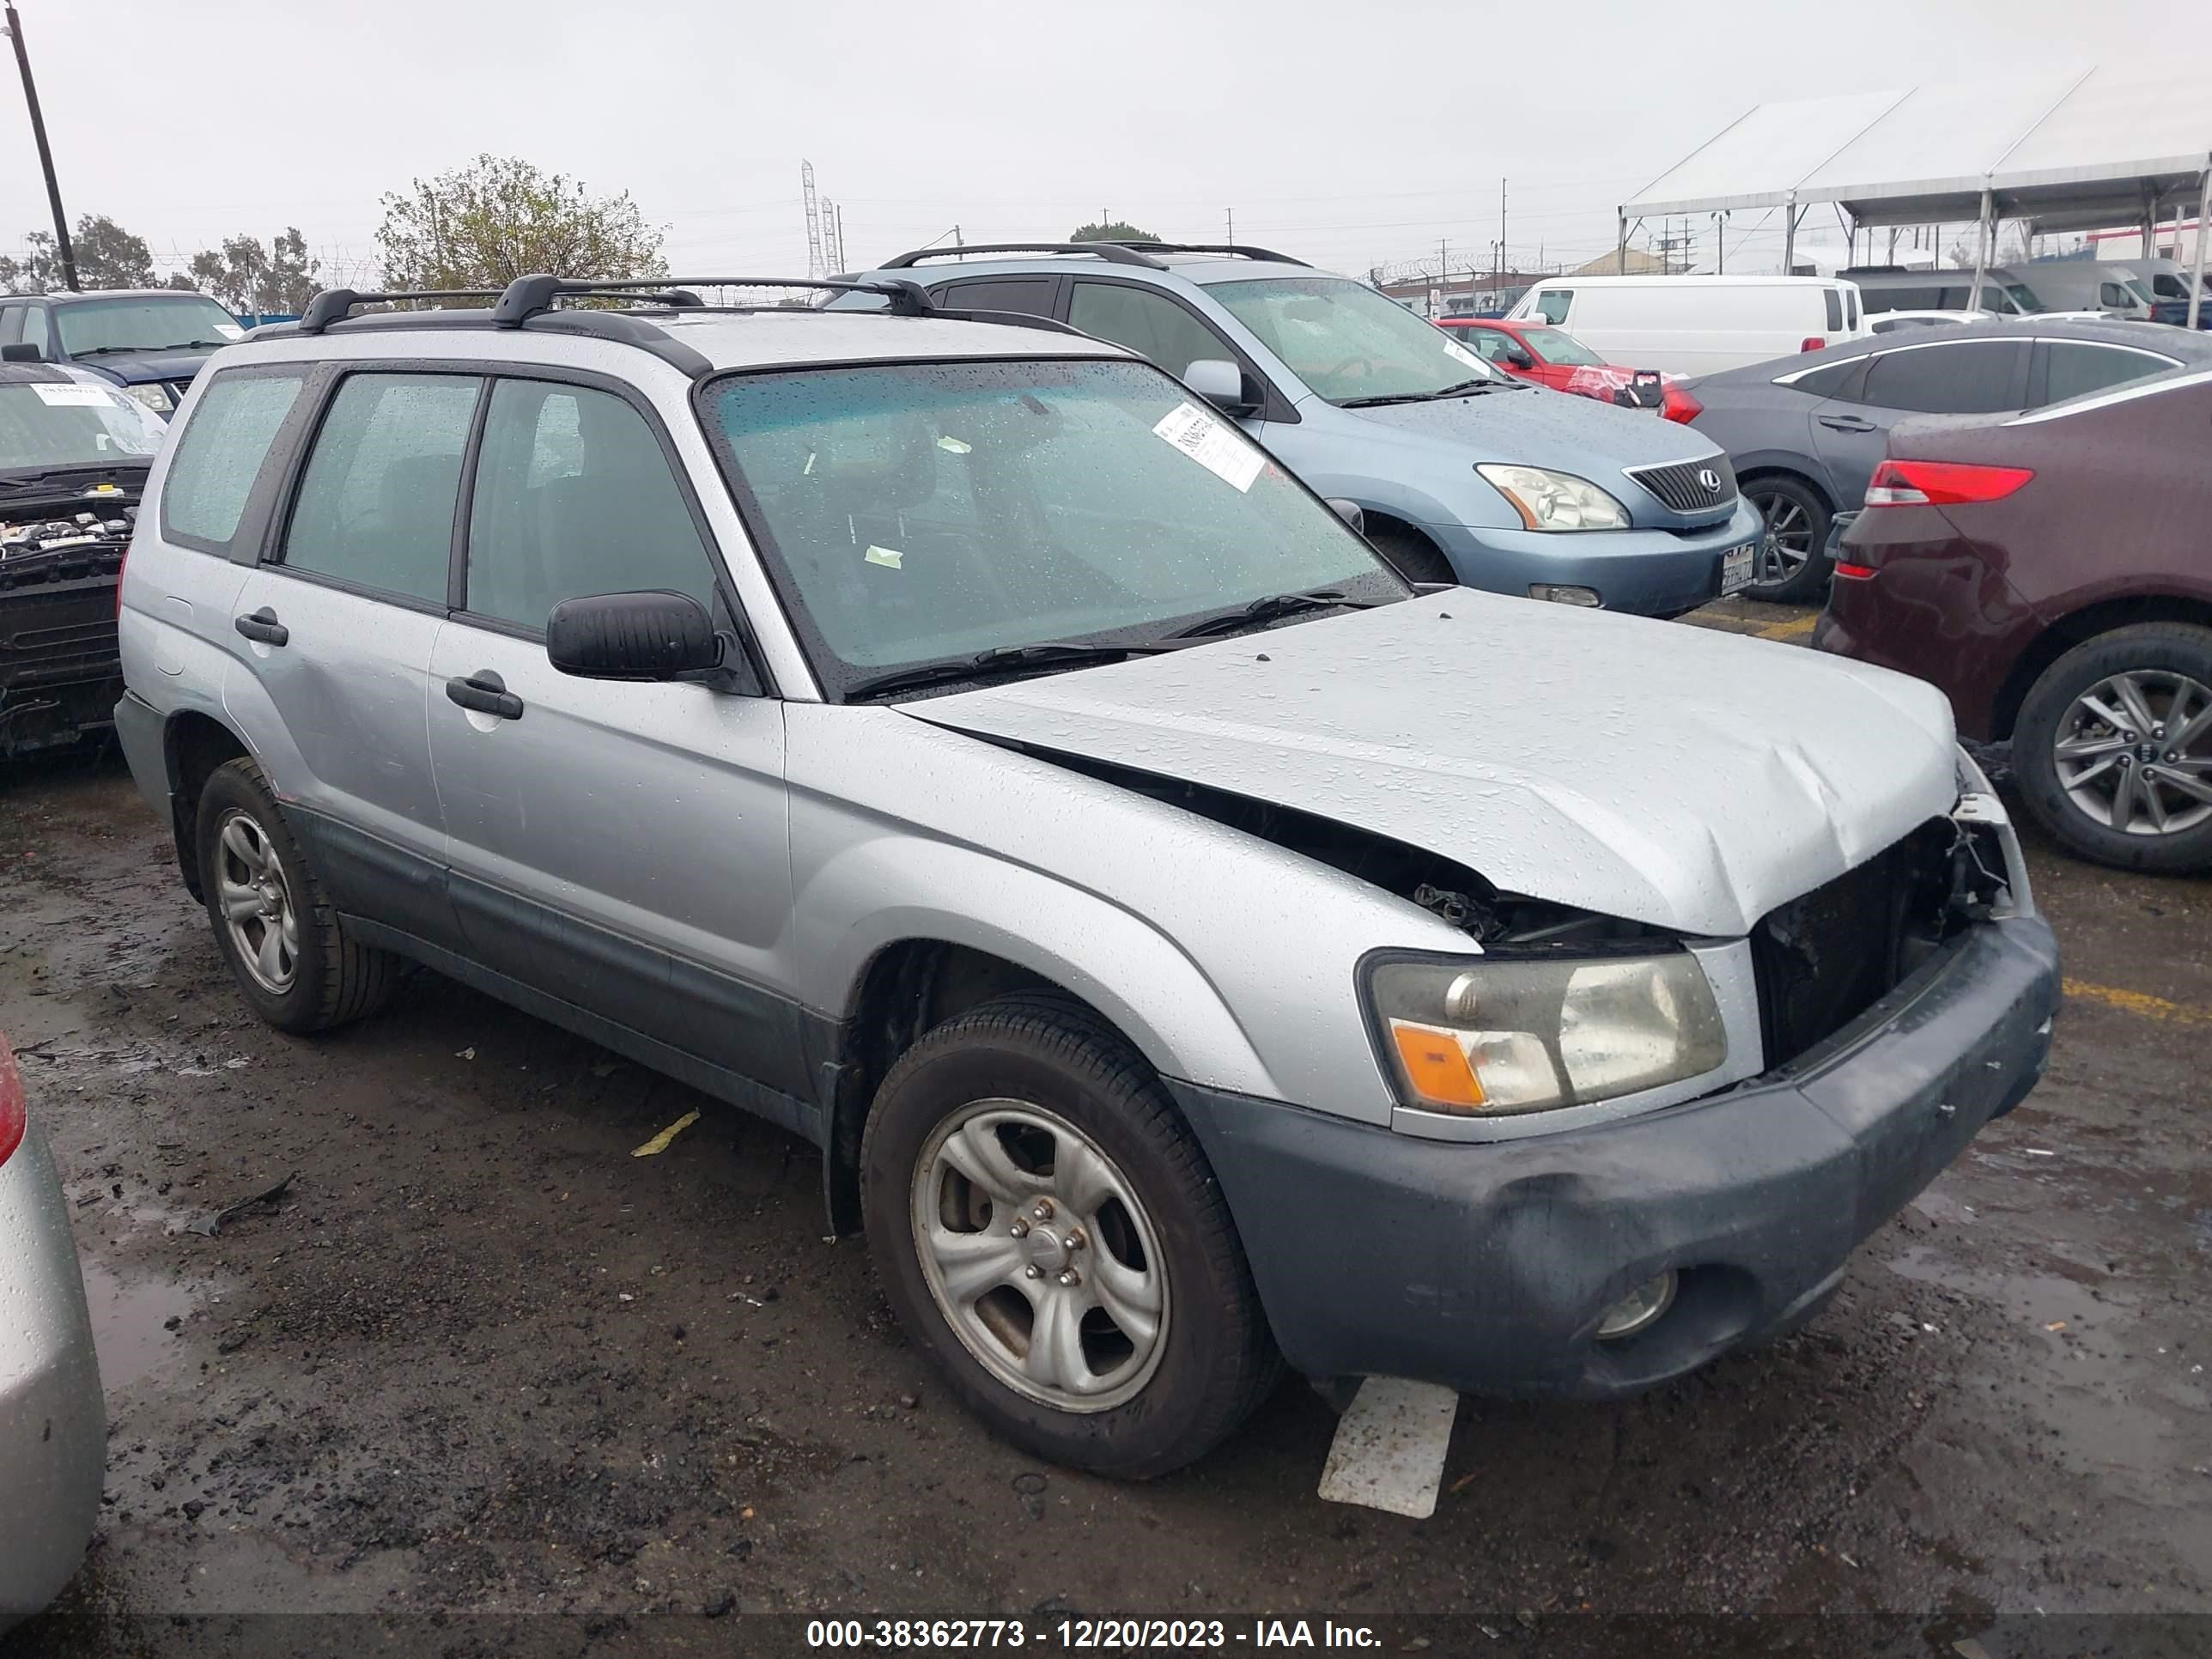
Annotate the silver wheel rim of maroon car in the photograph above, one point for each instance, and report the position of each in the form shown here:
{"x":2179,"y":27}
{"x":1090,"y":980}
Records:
{"x":2134,"y":752}
{"x":1045,"y":1268}
{"x":1787,"y":541}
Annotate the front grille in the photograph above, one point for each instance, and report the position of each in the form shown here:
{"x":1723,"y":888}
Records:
{"x":1824,"y":959}
{"x":1681,"y":484}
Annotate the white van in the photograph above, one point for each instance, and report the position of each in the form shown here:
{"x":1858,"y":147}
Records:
{"x":2081,"y":285}
{"x":1697,"y":325}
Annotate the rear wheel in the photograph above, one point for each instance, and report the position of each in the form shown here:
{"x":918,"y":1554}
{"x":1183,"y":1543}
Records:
{"x":2113,"y":748}
{"x":1047,"y":1229}
{"x":1791,"y":565}
{"x":1411,"y":554}
{"x":275,"y":925}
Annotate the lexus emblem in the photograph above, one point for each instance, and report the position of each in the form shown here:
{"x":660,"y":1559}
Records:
{"x":1711,"y":479}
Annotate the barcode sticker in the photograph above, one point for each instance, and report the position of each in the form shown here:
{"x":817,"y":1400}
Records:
{"x":71,"y":395}
{"x":1212,"y":444}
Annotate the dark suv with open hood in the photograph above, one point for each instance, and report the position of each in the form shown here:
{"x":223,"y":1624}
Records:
{"x":150,"y":342}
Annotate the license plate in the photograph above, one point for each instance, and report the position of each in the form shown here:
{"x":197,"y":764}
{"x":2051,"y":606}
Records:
{"x":1735,"y":568}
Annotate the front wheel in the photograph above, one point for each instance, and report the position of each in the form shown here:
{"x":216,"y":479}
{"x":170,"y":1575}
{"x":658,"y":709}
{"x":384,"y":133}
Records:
{"x":2113,"y":748}
{"x":1412,"y":556}
{"x":1049,"y":1233}
{"x":1791,"y":565}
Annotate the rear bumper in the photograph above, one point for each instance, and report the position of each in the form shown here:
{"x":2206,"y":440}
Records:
{"x":53,"y":1424}
{"x":138,"y":730}
{"x":1648,"y":571}
{"x":1487,"y":1267}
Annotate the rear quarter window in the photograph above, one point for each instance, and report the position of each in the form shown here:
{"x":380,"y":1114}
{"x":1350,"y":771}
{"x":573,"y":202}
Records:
{"x":221,"y":454}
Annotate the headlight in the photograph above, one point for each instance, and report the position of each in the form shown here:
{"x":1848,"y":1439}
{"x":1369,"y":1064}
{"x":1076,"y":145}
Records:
{"x":154,"y":395}
{"x":1503,"y":1034}
{"x":1555,"y":501}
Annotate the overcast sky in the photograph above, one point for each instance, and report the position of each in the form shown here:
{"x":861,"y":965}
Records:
{"x":1353,"y":135}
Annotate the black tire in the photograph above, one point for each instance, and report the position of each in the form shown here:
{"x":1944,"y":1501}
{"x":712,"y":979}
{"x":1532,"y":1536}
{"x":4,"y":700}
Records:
{"x":1217,"y":1360}
{"x":1793,"y":503}
{"x":333,"y":979}
{"x":2150,"y":648}
{"x":1411,"y":554}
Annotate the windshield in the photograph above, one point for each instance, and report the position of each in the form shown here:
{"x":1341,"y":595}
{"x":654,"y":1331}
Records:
{"x":916,"y":512}
{"x":2022,"y":302}
{"x":55,"y":424}
{"x":1345,"y":340}
{"x":145,"y":322}
{"x":1556,"y":345}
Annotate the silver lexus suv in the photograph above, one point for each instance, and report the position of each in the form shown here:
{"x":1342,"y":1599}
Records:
{"x":1191,"y":948}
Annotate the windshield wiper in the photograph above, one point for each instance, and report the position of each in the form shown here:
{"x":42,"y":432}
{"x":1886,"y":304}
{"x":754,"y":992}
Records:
{"x":1271,"y":607}
{"x":999,"y":659}
{"x":1461,"y":389}
{"x":180,"y":345}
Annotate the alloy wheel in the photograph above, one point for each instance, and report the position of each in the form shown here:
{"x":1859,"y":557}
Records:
{"x":1040,"y":1255}
{"x":256,"y":903}
{"x":2134,"y":752}
{"x":1788,"y":543}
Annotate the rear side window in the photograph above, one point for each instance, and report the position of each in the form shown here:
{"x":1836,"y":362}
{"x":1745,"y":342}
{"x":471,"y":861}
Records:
{"x":1972,"y":377}
{"x":2076,"y":367}
{"x":1835,"y":303}
{"x":1829,"y":379}
{"x":1552,"y":303}
{"x":1032,"y":295}
{"x":375,"y":507}
{"x":574,"y":497}
{"x":1151,"y":324}
{"x":221,"y":453}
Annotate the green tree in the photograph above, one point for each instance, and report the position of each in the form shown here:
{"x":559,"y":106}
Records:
{"x":498,"y":218}
{"x":1113,"y":230}
{"x":107,"y":256}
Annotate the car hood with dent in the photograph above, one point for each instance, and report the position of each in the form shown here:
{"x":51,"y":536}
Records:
{"x":1669,"y":774}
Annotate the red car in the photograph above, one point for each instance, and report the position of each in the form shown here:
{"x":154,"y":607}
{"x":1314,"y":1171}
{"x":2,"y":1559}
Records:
{"x":2051,"y":573}
{"x":1552,"y":357}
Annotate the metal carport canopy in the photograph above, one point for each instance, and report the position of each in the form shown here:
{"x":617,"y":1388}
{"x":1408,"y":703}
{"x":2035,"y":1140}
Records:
{"x":2070,"y":149}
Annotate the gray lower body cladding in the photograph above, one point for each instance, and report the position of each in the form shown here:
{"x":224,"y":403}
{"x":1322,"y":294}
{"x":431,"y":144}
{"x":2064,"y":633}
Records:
{"x":1487,"y":1267}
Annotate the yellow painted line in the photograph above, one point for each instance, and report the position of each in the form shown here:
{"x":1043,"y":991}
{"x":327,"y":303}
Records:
{"x":1795,"y":629}
{"x":2138,"y":1002}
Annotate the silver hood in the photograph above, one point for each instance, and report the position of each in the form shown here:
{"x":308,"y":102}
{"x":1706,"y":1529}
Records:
{"x":1669,"y":774}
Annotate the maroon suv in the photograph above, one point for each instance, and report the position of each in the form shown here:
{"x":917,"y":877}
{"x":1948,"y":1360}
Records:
{"x":2051,"y":572}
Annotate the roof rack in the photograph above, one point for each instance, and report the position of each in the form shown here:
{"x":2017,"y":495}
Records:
{"x":1114,"y":253}
{"x":527,"y":296}
{"x":1235,"y":250}
{"x":335,"y":304}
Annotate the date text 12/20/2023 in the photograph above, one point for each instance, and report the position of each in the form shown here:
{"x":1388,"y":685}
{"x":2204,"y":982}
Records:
{"x":1083,"y":1635}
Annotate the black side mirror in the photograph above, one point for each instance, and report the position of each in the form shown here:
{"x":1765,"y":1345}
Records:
{"x":23,"y":351}
{"x":1518,"y":357}
{"x":632,"y":636}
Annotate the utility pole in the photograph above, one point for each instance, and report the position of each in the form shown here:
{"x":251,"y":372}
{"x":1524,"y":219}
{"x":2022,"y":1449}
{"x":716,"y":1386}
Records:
{"x":68,"y":254}
{"x":1501,"y":226}
{"x":1232,"y":227}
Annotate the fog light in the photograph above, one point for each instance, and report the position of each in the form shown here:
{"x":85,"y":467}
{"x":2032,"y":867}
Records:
{"x":1639,"y":1309}
{"x":1559,"y":593}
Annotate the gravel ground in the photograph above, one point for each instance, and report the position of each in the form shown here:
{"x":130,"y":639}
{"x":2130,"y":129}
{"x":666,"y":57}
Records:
{"x":475,"y":1359}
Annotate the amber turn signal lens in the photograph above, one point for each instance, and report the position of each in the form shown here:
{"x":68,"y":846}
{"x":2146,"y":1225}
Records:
{"x":1436,"y":1065}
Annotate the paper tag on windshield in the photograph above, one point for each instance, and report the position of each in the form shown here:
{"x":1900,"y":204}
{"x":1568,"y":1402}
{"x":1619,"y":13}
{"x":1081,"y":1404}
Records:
{"x":230,"y":331}
{"x":71,"y":395}
{"x":889,"y":557}
{"x":1460,"y":354}
{"x":1216,"y":447}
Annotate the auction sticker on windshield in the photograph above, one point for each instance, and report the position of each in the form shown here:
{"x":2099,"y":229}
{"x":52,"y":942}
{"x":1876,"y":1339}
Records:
{"x":71,"y":396}
{"x":1214,"y":447}
{"x":1735,"y":568}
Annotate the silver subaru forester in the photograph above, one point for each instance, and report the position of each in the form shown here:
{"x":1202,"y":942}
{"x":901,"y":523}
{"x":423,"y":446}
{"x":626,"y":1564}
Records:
{"x":1193,"y":948}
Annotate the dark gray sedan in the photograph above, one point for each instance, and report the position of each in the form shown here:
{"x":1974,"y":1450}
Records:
{"x":1806,"y":432}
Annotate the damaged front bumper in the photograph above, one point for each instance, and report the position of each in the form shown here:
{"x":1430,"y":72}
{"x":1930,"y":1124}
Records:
{"x":1487,"y":1268}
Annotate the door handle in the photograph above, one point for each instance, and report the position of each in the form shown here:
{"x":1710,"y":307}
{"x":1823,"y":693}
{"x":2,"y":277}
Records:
{"x":486,"y":693}
{"x":263,"y":625}
{"x":1846,"y":423}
